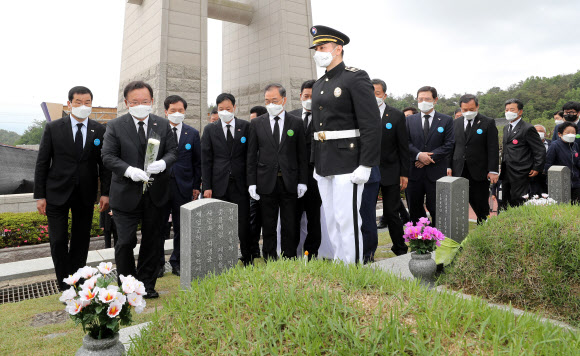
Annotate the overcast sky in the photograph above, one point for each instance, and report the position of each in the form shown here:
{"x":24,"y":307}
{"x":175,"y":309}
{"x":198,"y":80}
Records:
{"x":457,"y":46}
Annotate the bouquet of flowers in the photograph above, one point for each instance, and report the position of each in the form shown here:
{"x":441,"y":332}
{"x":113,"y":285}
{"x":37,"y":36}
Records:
{"x":151,"y":153}
{"x":421,"y":237}
{"x":98,"y":305}
{"x":536,"y":200}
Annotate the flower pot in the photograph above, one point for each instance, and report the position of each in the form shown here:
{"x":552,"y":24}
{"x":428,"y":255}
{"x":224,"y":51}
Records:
{"x":104,"y":347}
{"x":423,"y":267}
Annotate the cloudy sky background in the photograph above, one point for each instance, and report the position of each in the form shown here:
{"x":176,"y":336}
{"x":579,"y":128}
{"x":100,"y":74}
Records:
{"x":455,"y":45}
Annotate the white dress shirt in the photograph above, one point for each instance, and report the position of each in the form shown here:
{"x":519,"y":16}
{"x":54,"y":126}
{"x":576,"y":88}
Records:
{"x":304,"y":115}
{"x":431,"y":114}
{"x":382,"y":109}
{"x":232,"y":127}
{"x":513,"y":124}
{"x":73,"y":123}
{"x":178,"y":132}
{"x":145,"y":122}
{"x":282,"y":115}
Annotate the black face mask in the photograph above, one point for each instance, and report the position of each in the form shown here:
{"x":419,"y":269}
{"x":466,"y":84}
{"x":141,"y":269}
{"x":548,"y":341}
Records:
{"x":571,"y":117}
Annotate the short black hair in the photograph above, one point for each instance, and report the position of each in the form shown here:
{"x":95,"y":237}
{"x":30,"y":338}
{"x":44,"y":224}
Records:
{"x":412,"y":109}
{"x":259,"y":110}
{"x":172,"y":99}
{"x":428,"y":88}
{"x":515,"y":101}
{"x":565,"y":124}
{"x":137,"y":84}
{"x":307,"y":85}
{"x":466,"y":98}
{"x":225,"y":96}
{"x":381,"y":83}
{"x":78,"y":90}
{"x":456,"y":111}
{"x":281,"y":89}
{"x":214,"y":111}
{"x":571,"y":105}
{"x":559,"y":113}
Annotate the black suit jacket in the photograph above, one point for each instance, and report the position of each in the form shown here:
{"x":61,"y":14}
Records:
{"x":121,"y":149}
{"x":480,"y":150}
{"x":264,"y":161}
{"x":523,"y":151}
{"x":217,"y":164}
{"x":187,"y":167}
{"x":394,"y":147}
{"x":57,"y":164}
{"x":440,"y":141}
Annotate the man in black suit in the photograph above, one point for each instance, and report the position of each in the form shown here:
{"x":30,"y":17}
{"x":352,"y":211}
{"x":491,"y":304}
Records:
{"x":255,"y":211}
{"x":310,"y":202}
{"x":475,"y":154}
{"x":523,"y":156}
{"x":224,"y":148}
{"x":394,"y":168}
{"x":539,"y":183}
{"x":431,"y":141}
{"x":66,"y":178}
{"x":277,"y":171}
{"x":185,"y":174}
{"x":123,"y":153}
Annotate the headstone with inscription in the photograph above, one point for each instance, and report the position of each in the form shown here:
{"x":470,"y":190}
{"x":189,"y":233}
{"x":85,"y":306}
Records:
{"x":559,"y":184}
{"x":209,"y":238}
{"x":453,"y":207}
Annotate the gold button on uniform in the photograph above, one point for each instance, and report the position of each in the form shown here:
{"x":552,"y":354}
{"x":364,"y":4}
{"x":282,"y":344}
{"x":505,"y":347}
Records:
{"x":320,"y":107}
{"x":352,"y":145}
{"x":326,"y":79}
{"x":321,"y":124}
{"x":322,"y":92}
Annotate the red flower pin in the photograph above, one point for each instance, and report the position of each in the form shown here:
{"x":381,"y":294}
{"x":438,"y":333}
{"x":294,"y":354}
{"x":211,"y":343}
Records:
{"x":576,"y":155}
{"x":515,"y":142}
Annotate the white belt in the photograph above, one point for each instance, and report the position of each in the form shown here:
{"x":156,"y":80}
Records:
{"x":335,"y":135}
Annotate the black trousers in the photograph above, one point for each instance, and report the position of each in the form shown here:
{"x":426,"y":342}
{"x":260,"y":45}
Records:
{"x":242,"y":199}
{"x":310,"y":203}
{"x":514,"y":187}
{"x":284,"y":201}
{"x":478,"y":195}
{"x":255,"y":227}
{"x":417,"y":190}
{"x":539,"y":185}
{"x":68,"y":259}
{"x":151,"y":218}
{"x":176,"y":200}
{"x":368,"y":215}
{"x":576,"y":196}
{"x":392,"y":216}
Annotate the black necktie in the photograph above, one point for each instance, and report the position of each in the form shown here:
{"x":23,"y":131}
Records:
{"x":306,"y":125}
{"x":175,"y":134}
{"x":79,"y":141}
{"x":509,"y":129}
{"x":468,"y":128}
{"x":230,"y":138}
{"x":143,"y":144}
{"x":276,"y":131}
{"x":426,"y":126}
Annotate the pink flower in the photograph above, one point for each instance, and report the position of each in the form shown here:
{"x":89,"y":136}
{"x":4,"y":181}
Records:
{"x":6,"y":230}
{"x":25,"y":241}
{"x":424,"y":221}
{"x":39,"y":239}
{"x":17,"y":229}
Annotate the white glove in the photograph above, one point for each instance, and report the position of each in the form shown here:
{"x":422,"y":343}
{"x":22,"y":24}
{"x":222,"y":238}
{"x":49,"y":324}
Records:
{"x":252,"y":191}
{"x":156,"y":167}
{"x":302,"y":190}
{"x":136,"y":174}
{"x":360,"y":175}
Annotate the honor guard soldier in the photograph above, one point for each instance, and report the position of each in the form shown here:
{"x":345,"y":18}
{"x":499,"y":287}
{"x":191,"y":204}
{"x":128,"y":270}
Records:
{"x":346,"y":142}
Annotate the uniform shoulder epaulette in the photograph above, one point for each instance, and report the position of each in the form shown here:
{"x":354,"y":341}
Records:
{"x":352,"y":69}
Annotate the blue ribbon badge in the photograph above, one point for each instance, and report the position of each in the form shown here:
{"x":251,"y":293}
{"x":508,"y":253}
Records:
{"x":389,"y":126}
{"x":188,"y":146}
{"x":97,"y":142}
{"x":479,"y":131}
{"x":440,"y":129}
{"x":243,"y":139}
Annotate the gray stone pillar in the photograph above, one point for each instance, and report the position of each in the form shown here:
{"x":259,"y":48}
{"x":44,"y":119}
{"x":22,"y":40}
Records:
{"x":209,"y":238}
{"x":452,"y":208}
{"x":559,"y":184}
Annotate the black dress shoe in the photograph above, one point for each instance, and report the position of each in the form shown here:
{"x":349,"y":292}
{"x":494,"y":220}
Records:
{"x":161,"y":272}
{"x":151,"y":294}
{"x":175,"y":271}
{"x":382,"y":224}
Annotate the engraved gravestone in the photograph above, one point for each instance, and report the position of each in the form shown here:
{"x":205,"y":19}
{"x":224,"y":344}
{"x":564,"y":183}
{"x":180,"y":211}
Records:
{"x":209,"y":238}
{"x":453,"y":207}
{"x":559,"y":185}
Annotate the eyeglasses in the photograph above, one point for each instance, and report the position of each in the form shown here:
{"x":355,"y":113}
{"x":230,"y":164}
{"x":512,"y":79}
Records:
{"x":570,"y":112}
{"x":144,"y":102}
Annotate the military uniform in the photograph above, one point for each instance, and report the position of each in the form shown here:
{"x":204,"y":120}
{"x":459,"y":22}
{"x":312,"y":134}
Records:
{"x":346,"y":133}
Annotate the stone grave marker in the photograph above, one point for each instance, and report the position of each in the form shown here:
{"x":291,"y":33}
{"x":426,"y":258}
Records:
{"x":209,"y":238}
{"x":452,"y":207}
{"x":559,"y":184}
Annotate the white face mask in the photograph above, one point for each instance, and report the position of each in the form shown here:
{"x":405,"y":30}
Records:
{"x":558,"y":122}
{"x":176,"y":117}
{"x":379,"y":101}
{"x":426,"y":106}
{"x":307,"y":104}
{"x":323,"y":59}
{"x":541,"y":135}
{"x":470,"y":115}
{"x":511,"y":116}
{"x":225,"y":116}
{"x":274,"y":109}
{"x":140,"y":111}
{"x":569,"y":138}
{"x":81,"y":112}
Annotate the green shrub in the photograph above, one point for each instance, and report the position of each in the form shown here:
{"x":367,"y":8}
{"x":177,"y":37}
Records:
{"x":528,"y":256}
{"x":20,"y":229}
